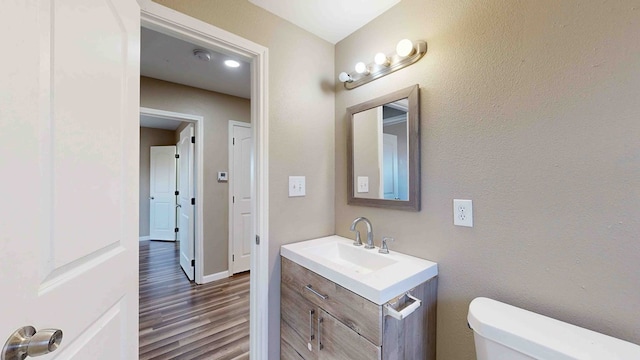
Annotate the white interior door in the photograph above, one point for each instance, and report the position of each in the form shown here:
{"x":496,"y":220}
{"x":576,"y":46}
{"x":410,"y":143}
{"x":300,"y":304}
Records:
{"x":240,"y":177}
{"x":390,"y":166}
{"x":186,"y":228}
{"x":69,"y":135}
{"x":162,"y":199}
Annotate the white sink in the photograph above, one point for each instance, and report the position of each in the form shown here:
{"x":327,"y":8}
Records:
{"x":374,"y":276}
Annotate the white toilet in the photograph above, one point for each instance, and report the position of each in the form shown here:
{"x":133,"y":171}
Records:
{"x":505,"y":332}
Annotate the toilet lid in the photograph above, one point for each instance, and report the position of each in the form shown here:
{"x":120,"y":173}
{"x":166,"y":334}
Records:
{"x":542,"y":337}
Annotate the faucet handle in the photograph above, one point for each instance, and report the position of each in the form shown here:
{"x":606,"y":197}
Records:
{"x":384,"y":249}
{"x":358,"y":241}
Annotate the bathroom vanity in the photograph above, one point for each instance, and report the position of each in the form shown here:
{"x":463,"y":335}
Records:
{"x":339,"y":301}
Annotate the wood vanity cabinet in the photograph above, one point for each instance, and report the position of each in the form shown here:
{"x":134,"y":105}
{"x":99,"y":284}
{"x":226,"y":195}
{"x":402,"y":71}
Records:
{"x":322,"y":320}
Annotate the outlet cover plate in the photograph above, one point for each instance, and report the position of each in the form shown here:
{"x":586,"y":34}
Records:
{"x":462,"y":213}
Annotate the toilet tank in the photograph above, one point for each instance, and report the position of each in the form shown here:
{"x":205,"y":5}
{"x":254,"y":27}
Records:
{"x":505,"y":332}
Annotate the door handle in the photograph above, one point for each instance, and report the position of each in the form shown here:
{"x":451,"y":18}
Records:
{"x":27,"y":342}
{"x":151,"y":197}
{"x":178,"y":206}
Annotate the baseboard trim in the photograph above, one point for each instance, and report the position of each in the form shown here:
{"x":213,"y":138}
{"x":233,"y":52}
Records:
{"x":217,"y":276}
{"x":145,"y":238}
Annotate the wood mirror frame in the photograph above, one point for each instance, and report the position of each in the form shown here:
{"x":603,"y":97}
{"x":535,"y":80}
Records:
{"x":413,"y":125}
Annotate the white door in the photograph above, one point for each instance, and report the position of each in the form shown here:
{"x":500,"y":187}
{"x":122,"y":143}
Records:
{"x":69,"y":134}
{"x":162,"y":199}
{"x":390,"y":166}
{"x":185,"y":207}
{"x":240,"y":177}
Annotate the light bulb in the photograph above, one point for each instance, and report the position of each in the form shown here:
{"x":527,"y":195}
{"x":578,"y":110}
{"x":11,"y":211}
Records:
{"x":344,"y":77}
{"x":381,"y":59}
{"x":232,"y":63}
{"x":361,"y":68}
{"x":405,"y":48}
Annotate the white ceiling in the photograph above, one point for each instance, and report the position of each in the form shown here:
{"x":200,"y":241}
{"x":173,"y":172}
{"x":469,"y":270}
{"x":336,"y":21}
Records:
{"x":167,"y":58}
{"x":332,"y":20}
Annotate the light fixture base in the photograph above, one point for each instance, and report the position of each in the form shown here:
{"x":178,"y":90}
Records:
{"x":396,"y":63}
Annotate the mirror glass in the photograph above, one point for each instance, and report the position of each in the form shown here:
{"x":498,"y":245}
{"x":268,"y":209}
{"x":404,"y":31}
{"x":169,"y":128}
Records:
{"x":384,"y":151}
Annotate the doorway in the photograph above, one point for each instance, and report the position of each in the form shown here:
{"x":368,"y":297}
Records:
{"x":190,"y":233}
{"x":159,"y":18}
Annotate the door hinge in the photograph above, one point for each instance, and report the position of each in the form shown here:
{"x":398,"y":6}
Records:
{"x":193,"y":262}
{"x":193,"y":139}
{"x":234,"y":141}
{"x":233,"y":258}
{"x":176,"y":230}
{"x":233,"y":199}
{"x":177,"y":193}
{"x":257,"y":239}
{"x":177,"y":156}
{"x":193,"y":201}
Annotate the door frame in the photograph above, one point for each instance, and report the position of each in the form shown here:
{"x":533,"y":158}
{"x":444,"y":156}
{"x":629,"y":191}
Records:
{"x":160,"y":18}
{"x":198,"y":164}
{"x":232,"y":184}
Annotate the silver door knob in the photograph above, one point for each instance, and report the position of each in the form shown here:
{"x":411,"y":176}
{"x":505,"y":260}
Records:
{"x":27,"y":342}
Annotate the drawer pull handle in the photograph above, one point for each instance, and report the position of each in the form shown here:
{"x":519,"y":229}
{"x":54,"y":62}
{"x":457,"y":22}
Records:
{"x":311,"y":337}
{"x":320,"y":346}
{"x":323,"y":297}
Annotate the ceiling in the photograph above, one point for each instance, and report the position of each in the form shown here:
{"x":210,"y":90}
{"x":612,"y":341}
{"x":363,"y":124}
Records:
{"x":167,"y":58}
{"x":332,"y":20}
{"x":170,"y":59}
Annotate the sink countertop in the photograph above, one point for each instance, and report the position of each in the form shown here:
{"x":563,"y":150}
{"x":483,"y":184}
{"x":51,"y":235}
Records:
{"x":374,"y":276}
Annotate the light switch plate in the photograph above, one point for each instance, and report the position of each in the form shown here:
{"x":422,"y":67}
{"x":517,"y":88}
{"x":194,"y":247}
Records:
{"x":363,"y":184}
{"x":462,"y":213}
{"x":222,"y":176}
{"x":297,"y":186}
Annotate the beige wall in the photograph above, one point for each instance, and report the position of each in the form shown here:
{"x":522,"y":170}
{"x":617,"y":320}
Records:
{"x":217,"y":109}
{"x":301,"y":126}
{"x":530,"y":109}
{"x":148,"y":138}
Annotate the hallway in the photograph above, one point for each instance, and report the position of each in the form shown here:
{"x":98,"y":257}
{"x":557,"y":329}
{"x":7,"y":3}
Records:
{"x":179,"y":320}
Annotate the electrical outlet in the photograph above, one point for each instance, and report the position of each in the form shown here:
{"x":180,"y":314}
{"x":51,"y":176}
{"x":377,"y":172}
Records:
{"x":462,"y":213}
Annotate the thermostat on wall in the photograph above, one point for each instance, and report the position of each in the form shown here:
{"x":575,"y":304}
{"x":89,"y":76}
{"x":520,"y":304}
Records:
{"x":222,"y":176}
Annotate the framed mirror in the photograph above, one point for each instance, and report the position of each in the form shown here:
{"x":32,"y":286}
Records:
{"x":383,"y":145}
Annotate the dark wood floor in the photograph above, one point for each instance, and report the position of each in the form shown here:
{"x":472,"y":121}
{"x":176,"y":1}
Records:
{"x":180,"y":320}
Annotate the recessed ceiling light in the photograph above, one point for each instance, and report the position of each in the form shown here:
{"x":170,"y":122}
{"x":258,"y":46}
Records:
{"x":232,"y":63}
{"x":203,"y":55}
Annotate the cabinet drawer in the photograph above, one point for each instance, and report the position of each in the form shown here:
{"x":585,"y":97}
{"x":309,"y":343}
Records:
{"x":339,"y":342}
{"x":356,"y":312}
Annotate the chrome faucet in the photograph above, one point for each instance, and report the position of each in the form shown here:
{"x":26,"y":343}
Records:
{"x":358,"y":241}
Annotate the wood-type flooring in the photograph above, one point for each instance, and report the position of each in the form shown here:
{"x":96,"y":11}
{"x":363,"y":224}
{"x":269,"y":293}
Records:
{"x":181,"y":320}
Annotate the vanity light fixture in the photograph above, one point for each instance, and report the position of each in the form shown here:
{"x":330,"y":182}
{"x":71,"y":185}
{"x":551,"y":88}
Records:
{"x":381,"y":59}
{"x":405,"y":48}
{"x":344,"y":77}
{"x":407,"y":53}
{"x":361,"y":68}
